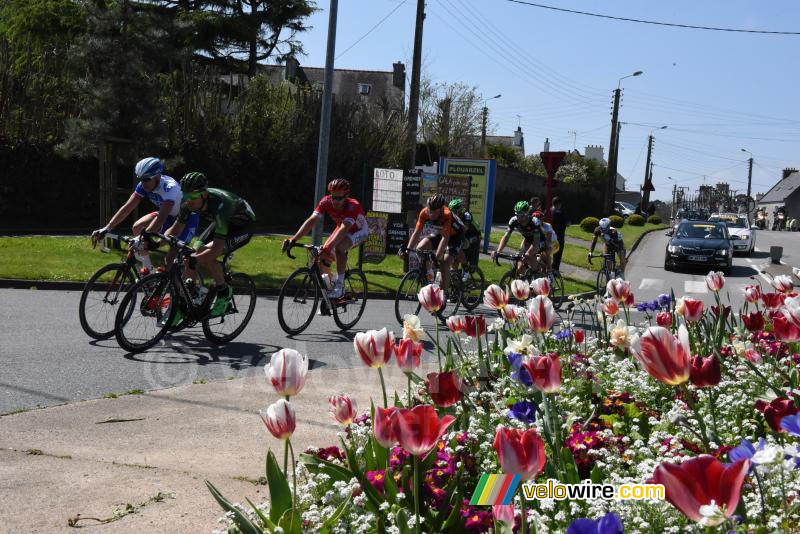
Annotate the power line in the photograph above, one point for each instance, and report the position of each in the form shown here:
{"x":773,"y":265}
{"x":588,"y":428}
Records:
{"x":346,"y":50}
{"x":657,"y":23}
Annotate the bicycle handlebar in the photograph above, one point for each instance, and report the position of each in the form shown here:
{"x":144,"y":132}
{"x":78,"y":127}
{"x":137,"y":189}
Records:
{"x":313,"y":248}
{"x":512,"y":257}
{"x":172,"y":240}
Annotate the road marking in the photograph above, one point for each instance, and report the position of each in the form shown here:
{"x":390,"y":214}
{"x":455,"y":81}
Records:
{"x":656,"y":284}
{"x":693,"y":286}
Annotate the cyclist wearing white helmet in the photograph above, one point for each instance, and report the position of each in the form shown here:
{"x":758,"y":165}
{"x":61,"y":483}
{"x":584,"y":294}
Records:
{"x":612,"y":242}
{"x":165,"y":193}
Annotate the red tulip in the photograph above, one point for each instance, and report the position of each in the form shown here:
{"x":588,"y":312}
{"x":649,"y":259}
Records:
{"x":476,"y":325}
{"x":705,"y":372}
{"x":619,"y":289}
{"x":663,"y":355}
{"x":715,"y":280}
{"x":419,"y":429}
{"x":782,"y":283}
{"x":343,"y":409}
{"x":696,"y":485}
{"x":784,"y":330}
{"x":579,"y":336}
{"x":775,"y":411}
{"x":752,"y":294}
{"x":431,"y":297}
{"x":519,"y":453}
{"x":541,"y":314}
{"x":664,"y":318}
{"x":408,"y":354}
{"x":374,"y":347}
{"x":629,"y":300}
{"x":753,"y":321}
{"x":444,"y":388}
{"x":691,"y":309}
{"x":541,"y":286}
{"x":456,"y":323}
{"x":791,"y":310}
{"x":520,"y":289}
{"x":773,"y":300}
{"x":383,"y":426}
{"x":494,"y":297}
{"x":610,"y":307}
{"x":280,"y":419}
{"x":545,"y":371}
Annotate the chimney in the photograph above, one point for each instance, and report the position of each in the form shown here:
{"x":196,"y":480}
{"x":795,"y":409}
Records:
{"x":547,"y":144}
{"x":787,"y":171}
{"x":518,"y":139}
{"x":399,"y":76}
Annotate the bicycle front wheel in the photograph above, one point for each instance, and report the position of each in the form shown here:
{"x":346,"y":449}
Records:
{"x":101,"y":295}
{"x":145,"y":313}
{"x":602,"y":281}
{"x":505,"y":281}
{"x":347,"y":309}
{"x":227,"y":326}
{"x":406,"y":300}
{"x":557,"y":290}
{"x":298,"y":301}
{"x":472,"y":290}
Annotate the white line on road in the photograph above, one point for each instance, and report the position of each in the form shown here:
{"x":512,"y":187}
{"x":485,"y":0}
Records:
{"x":693,"y":286}
{"x":656,"y":284}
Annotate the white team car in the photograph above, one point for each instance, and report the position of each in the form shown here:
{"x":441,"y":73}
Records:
{"x":743,"y":237}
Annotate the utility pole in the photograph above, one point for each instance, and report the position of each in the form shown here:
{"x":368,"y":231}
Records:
{"x":612,"y":164}
{"x":325,"y":120}
{"x":647,"y":172}
{"x":484,"y":120}
{"x":413,"y":101}
{"x":445,"y":106}
{"x":749,"y":183}
{"x":672,"y":208}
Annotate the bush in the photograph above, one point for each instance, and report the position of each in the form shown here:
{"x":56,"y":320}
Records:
{"x":617,"y":221}
{"x":636,"y":220}
{"x":588,"y":224}
{"x":654,"y":219}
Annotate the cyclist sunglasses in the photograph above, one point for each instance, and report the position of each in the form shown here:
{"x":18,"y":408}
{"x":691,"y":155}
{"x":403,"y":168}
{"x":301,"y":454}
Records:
{"x":192,"y":195}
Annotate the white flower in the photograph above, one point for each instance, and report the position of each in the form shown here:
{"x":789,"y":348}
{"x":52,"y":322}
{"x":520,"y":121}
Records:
{"x":768,"y":454}
{"x":712,"y":514}
{"x":412,"y":327}
{"x":523,"y":345}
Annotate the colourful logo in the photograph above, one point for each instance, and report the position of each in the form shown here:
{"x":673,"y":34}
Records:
{"x":495,"y":489}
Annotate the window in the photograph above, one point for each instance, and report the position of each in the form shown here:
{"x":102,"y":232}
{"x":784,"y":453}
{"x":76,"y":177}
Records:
{"x":364,"y":89}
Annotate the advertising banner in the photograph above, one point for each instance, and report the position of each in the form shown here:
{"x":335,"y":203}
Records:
{"x":481,"y":198}
{"x":375,"y":245}
{"x":387,"y":190}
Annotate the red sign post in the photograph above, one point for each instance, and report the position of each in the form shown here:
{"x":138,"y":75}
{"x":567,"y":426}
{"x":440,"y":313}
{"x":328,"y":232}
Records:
{"x":552,"y":161}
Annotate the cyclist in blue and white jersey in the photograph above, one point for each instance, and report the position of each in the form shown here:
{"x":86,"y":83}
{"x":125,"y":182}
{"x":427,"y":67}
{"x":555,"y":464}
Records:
{"x":165,"y":193}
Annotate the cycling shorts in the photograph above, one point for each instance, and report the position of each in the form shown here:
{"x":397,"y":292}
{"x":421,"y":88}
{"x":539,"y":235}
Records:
{"x":188,"y":231}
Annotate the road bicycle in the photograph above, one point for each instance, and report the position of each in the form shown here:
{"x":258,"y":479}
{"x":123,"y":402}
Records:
{"x":607,"y":272}
{"x":520,"y":270}
{"x":105,"y":288}
{"x":303,"y":290}
{"x":162,"y":302}
{"x":466,"y":286}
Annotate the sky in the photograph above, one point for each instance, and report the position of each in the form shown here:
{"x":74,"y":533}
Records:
{"x":717,"y":92}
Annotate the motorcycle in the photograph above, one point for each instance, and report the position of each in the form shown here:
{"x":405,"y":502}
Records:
{"x":779,"y":222}
{"x":761,"y":220}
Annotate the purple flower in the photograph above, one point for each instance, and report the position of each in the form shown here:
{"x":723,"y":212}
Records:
{"x":664,"y":299}
{"x":524,"y":411}
{"x":791,"y":424}
{"x":608,"y":524}
{"x":519,"y":373}
{"x":564,"y":334}
{"x":514,"y":359}
{"x":642,"y":306}
{"x":743,"y":451}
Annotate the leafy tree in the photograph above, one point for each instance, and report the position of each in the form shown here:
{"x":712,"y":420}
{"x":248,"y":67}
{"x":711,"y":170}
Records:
{"x":450,"y":116}
{"x":505,"y":155}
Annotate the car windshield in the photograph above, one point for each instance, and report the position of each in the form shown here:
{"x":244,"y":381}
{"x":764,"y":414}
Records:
{"x":689,"y":214}
{"x":629,"y":206}
{"x":701,"y":231}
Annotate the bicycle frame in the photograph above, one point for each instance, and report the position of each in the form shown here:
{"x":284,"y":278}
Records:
{"x":314,"y":254}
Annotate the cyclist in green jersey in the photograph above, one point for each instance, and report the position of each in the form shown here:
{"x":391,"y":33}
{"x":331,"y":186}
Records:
{"x":232,"y":219}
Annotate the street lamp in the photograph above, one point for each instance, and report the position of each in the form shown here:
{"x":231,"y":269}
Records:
{"x":483,"y":124}
{"x":749,"y":183}
{"x":637,"y":73}
{"x":614,"y":145}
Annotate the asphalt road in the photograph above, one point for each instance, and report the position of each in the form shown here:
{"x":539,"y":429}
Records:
{"x":46,"y":359}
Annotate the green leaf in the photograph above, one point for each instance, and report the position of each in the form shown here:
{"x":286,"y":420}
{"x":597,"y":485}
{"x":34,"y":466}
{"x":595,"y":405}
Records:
{"x":402,"y":522}
{"x":318,"y":465}
{"x":291,"y":522}
{"x":266,"y":520}
{"x":454,"y":522}
{"x":335,"y":517}
{"x":242,"y":522}
{"x":369,"y":457}
{"x":279,"y":494}
{"x":381,"y":453}
{"x":596,"y":475}
{"x":416,"y":378}
{"x":374,"y":498}
{"x":571,"y":474}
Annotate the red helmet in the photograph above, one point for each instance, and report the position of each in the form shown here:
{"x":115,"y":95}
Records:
{"x":339,"y":185}
{"x":538,"y":214}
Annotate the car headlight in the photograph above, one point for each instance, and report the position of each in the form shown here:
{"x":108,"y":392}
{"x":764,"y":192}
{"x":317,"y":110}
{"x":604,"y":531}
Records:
{"x":673,"y":249}
{"x":723,"y":252}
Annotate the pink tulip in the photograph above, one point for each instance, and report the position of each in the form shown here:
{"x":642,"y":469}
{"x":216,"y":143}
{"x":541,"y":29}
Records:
{"x":287,"y":371}
{"x":715,"y":280}
{"x":511,"y":313}
{"x":431,"y":297}
{"x":541,"y":314}
{"x":494,"y":297}
{"x":408,"y":354}
{"x":791,"y":310}
{"x":782,"y":283}
{"x":519,"y":453}
{"x":343,"y":409}
{"x":541,"y":286}
{"x":545,"y":372}
{"x":752,"y":294}
{"x":785,"y":330}
{"x":666,"y":357}
{"x":691,"y":309}
{"x":456,"y":323}
{"x":610,"y":307}
{"x":664,"y":319}
{"x":520,"y":289}
{"x":420,"y":428}
{"x":504,"y":513}
{"x":383,"y":426}
{"x":705,"y":372}
{"x":280,"y":419}
{"x":374,"y":347}
{"x":619,"y":289}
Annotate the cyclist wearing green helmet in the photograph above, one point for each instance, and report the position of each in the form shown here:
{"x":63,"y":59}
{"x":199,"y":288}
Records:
{"x":231,"y":219}
{"x":470,"y":243}
{"x":534,"y":237}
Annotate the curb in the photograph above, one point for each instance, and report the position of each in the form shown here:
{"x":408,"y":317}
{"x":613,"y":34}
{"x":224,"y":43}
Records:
{"x":639,"y":239}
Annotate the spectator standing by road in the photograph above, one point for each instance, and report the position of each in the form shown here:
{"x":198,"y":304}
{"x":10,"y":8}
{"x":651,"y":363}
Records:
{"x":560,"y":228}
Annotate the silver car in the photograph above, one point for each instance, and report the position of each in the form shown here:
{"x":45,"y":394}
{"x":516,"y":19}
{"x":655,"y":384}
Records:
{"x":743,"y":237}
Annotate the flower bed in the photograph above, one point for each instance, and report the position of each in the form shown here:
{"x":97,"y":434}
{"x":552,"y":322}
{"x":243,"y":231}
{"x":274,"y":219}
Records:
{"x":703,"y":401}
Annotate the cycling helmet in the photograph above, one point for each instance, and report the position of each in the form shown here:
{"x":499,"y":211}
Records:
{"x":456,"y":205}
{"x":522,"y":207}
{"x":194,"y":181}
{"x":148,"y":168}
{"x":604,"y":223}
{"x":339,"y":185}
{"x":538,"y":214}
{"x":436,"y":201}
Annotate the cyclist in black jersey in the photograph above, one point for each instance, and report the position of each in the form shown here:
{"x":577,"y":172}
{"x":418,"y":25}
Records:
{"x":470,"y":236}
{"x":535,"y":239}
{"x":612,"y":242}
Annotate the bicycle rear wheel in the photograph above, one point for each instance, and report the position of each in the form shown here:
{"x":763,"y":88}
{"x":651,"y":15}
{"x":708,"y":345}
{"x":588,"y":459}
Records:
{"x":101,"y":295}
{"x":347,"y":309}
{"x":298,"y":301}
{"x":229,"y":325}
{"x":406,"y":300}
{"x":145,"y":312}
{"x":472,"y":290}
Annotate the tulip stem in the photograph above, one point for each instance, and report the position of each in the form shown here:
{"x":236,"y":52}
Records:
{"x":383,"y":388}
{"x":523,"y":525}
{"x":409,"y":390}
{"x":699,"y":417}
{"x":438,"y":348}
{"x":416,"y":494}
{"x":294,"y":486}
{"x":286,"y":458}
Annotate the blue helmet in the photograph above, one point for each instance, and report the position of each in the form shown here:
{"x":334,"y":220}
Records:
{"x":148,"y":168}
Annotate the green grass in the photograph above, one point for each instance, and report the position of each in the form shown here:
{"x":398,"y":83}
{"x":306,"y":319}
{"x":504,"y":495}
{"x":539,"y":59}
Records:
{"x":72,"y":258}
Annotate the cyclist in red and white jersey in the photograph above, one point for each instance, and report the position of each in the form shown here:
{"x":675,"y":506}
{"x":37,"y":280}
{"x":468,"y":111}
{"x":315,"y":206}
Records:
{"x":351,"y":230}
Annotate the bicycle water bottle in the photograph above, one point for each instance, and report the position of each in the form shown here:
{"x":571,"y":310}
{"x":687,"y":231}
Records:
{"x":430,"y":275}
{"x":439,"y":279}
{"x":202,"y":291}
{"x":326,"y":279}
{"x":190,"y":285}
